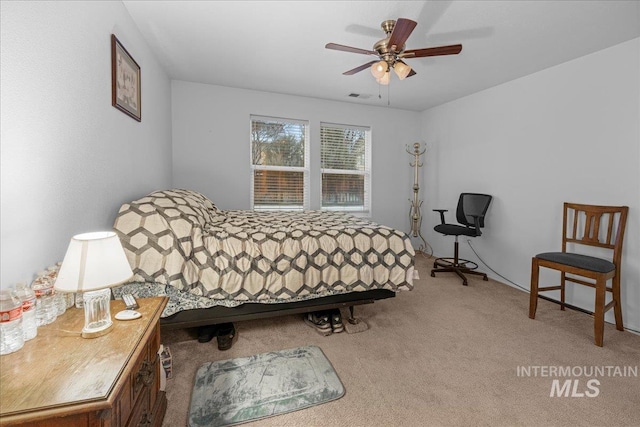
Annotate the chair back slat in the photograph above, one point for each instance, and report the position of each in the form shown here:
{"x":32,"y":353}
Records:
{"x":592,"y":227}
{"x":592,"y":217}
{"x":610,"y":228}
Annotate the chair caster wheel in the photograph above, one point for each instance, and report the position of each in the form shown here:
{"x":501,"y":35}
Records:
{"x":465,"y":283}
{"x":433,"y":274}
{"x":485,"y":278}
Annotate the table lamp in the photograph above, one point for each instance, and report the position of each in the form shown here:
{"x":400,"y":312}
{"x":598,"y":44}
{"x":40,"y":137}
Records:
{"x":94,"y":262}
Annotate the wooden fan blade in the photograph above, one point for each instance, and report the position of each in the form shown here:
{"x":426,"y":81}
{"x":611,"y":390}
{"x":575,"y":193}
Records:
{"x":401,"y":33}
{"x":453,"y":49}
{"x":360,"y":68}
{"x":349,"y":49}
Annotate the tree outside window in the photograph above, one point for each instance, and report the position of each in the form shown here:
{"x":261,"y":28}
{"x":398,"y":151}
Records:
{"x":345,"y":163}
{"x":279,"y":158}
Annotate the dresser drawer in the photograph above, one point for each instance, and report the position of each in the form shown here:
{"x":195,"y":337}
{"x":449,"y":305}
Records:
{"x":139,"y":375}
{"x":145,"y":381}
{"x":141,"y":414}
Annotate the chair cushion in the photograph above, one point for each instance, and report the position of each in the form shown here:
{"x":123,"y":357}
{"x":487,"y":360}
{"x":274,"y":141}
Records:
{"x":455,"y":230}
{"x":586,"y":262}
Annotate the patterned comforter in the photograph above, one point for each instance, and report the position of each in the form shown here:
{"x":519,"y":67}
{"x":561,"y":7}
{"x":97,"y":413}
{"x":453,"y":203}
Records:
{"x":179,"y":238}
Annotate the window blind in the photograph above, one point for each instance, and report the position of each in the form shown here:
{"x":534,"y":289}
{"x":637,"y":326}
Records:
{"x":346,"y":167}
{"x":279,"y":164}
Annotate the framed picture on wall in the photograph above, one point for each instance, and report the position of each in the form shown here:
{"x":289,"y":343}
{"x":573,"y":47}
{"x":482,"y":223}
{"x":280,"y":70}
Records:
{"x":125,"y":81}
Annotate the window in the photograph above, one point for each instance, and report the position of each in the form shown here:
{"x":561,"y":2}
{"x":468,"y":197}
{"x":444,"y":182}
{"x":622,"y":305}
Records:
{"x":279,"y":164}
{"x":346,"y":167}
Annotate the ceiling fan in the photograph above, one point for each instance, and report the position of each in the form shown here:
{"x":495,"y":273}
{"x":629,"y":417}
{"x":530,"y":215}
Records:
{"x":391,"y":51}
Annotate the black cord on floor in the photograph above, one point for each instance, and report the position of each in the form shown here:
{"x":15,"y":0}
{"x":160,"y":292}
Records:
{"x":487,"y":265}
{"x":528,"y":291}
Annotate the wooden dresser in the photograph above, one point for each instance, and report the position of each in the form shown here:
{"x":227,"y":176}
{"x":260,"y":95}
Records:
{"x":61,"y":379}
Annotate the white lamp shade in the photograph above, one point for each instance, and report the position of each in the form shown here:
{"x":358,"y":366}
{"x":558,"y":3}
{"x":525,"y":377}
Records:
{"x":93,"y":261}
{"x":379,"y":69}
{"x":401,"y":69}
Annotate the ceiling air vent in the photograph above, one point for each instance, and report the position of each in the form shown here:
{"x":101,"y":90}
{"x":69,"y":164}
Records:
{"x":359,"y":95}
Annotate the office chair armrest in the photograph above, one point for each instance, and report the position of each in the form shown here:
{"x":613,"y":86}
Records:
{"x":442,"y":211}
{"x":476,"y":220}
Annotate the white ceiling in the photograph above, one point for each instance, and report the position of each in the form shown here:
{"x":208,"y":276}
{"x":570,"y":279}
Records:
{"x":278,"y":46}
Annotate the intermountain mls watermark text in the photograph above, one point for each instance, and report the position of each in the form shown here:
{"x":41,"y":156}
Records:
{"x":576,"y":381}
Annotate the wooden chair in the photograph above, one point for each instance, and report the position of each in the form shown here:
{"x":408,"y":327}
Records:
{"x":583,"y":225}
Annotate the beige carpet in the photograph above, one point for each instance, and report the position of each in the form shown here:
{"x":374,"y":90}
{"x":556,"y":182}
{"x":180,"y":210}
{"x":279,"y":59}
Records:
{"x":442,"y":354}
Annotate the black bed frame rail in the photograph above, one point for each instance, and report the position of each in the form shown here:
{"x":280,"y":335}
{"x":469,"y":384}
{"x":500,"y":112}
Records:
{"x":252,"y":311}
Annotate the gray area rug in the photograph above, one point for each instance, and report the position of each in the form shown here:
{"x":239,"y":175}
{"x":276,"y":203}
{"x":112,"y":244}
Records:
{"x":244,"y":389}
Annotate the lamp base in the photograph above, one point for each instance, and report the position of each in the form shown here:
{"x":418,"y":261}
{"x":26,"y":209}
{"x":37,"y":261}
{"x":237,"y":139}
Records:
{"x":95,"y":333}
{"x":97,"y":314}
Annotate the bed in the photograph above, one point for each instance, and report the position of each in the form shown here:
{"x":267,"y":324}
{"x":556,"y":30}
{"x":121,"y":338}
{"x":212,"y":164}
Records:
{"x":220,"y":266}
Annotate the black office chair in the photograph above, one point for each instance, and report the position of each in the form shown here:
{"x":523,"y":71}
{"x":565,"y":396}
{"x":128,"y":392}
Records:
{"x":470,"y":212}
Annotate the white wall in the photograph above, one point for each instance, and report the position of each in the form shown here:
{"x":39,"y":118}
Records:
{"x":69,"y":159}
{"x":211,"y":144}
{"x":568,"y":133}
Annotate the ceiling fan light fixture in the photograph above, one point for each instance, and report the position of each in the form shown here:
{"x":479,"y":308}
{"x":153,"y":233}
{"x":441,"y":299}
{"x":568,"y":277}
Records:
{"x":401,"y":69}
{"x":385,"y":79}
{"x":391,"y":50}
{"x":379,"y":69}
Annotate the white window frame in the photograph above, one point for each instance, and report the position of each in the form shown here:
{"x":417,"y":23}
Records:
{"x":304,"y":169}
{"x":366,"y":209}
